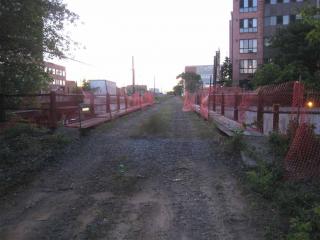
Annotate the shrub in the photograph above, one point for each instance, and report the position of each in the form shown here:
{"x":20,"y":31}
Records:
{"x":236,"y":143}
{"x":279,"y":143}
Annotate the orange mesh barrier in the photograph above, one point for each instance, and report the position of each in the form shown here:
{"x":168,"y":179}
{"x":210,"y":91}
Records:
{"x":303,"y":158}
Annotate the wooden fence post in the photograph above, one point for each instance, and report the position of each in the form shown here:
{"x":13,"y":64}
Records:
{"x":236,"y":105}
{"x":92,"y":103}
{"x":222,"y":104}
{"x":214,"y":102}
{"x":260,"y":111}
{"x":118,"y":101}
{"x":2,"y":108}
{"x":276,"y":117}
{"x":108,"y":108}
{"x":126,"y":102}
{"x":53,"y":111}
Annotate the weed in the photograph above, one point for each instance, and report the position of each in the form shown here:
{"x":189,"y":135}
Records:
{"x":236,"y":143}
{"x":279,"y":143}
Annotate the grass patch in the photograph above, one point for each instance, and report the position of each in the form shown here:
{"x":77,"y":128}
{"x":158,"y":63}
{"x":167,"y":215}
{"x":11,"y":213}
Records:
{"x":157,"y":125}
{"x":25,"y":150}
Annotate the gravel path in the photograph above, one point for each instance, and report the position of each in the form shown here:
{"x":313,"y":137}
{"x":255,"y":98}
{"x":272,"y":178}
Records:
{"x":116,"y":184}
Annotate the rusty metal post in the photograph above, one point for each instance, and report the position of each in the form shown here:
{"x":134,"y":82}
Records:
{"x":260,"y":112}
{"x":222,"y":104}
{"x":53,"y":122}
{"x":276,"y":117}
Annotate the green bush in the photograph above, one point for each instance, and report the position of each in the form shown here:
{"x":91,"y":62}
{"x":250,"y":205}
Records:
{"x":279,"y":143}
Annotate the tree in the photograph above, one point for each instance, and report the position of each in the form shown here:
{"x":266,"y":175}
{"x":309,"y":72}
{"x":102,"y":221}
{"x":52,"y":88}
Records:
{"x":266,"y":74}
{"x":178,"y":89}
{"x":293,"y":47}
{"x":86,"y":85}
{"x":30,"y":29}
{"x":311,"y":16}
{"x":192,"y":81}
{"x":226,"y":72}
{"x":295,"y":57}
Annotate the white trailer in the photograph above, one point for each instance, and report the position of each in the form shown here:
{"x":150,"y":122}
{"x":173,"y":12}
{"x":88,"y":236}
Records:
{"x":102,"y":87}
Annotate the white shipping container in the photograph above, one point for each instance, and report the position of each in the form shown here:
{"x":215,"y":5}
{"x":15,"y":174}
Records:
{"x":102,"y":87}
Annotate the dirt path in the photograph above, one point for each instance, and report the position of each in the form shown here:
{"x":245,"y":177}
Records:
{"x":116,"y":184}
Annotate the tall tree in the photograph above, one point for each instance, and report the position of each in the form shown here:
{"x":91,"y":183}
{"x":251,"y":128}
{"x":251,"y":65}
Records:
{"x":295,"y":56}
{"x":30,"y":29}
{"x":192,"y":81}
{"x":311,"y":16}
{"x":226,"y":72}
{"x":293,"y":47}
{"x":178,"y":89}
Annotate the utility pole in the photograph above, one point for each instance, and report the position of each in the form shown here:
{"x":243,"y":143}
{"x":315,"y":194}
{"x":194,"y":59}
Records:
{"x":133,"y":76}
{"x":154,"y":85}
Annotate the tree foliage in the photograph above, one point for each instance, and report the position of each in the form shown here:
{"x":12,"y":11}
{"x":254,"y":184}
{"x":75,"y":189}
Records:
{"x":178,"y":89}
{"x":30,"y":29}
{"x":226,"y":72}
{"x":192,"y":81}
{"x":295,"y":57}
{"x":311,"y":16}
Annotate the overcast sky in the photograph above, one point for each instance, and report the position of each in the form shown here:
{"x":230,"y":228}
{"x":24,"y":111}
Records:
{"x":163,"y":35}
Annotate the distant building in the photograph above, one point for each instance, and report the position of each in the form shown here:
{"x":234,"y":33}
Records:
{"x":252,"y":25}
{"x":102,"y":86}
{"x":138,"y":88}
{"x":205,"y":71}
{"x":59,"y":75}
{"x":70,"y":87}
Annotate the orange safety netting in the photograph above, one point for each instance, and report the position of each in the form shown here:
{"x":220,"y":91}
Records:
{"x":303,"y":158}
{"x":286,"y":107}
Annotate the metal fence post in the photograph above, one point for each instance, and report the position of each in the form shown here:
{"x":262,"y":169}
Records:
{"x":53,"y":111}
{"x":276,"y":117}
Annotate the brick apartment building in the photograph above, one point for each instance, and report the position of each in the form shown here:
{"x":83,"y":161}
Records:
{"x":252,"y":24}
{"x":58,"y":73}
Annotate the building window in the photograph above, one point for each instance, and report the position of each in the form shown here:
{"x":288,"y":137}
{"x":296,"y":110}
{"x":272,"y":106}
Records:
{"x":248,"y":46}
{"x":248,"y":66}
{"x":248,"y":25}
{"x":286,"y":20}
{"x":267,"y":21}
{"x":248,"y":5}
